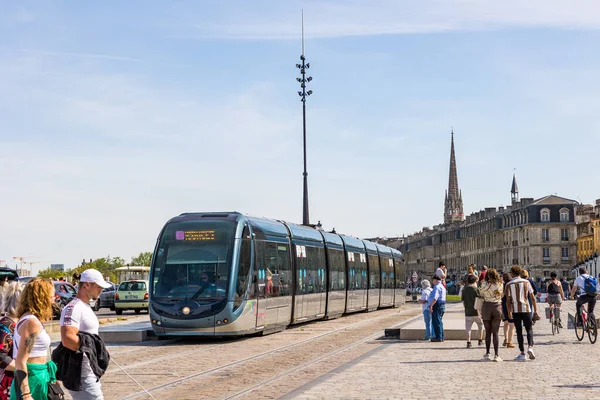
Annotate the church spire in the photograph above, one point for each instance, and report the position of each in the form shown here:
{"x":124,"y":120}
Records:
{"x":514,"y":190}
{"x":453,"y":207}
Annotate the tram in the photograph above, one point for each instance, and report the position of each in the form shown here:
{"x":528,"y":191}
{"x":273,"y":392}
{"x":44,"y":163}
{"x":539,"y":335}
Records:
{"x":226,"y":274}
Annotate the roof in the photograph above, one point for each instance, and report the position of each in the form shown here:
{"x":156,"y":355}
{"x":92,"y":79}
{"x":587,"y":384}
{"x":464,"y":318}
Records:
{"x":553,"y":199}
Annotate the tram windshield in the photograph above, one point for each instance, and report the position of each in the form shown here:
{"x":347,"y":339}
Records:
{"x":192,"y":261}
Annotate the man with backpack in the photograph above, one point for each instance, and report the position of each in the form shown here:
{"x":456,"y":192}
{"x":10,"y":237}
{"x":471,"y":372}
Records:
{"x":588,"y":290}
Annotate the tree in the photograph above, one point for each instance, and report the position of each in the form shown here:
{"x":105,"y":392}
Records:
{"x":49,"y":273}
{"x":106,"y":266}
{"x":143,"y":259}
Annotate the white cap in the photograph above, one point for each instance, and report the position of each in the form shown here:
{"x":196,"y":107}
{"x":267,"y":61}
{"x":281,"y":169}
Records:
{"x":94,"y":276}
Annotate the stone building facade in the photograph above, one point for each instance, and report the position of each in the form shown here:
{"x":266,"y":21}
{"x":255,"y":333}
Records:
{"x":540,"y":235}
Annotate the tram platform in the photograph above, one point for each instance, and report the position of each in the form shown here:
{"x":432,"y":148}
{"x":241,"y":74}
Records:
{"x":454,"y":326}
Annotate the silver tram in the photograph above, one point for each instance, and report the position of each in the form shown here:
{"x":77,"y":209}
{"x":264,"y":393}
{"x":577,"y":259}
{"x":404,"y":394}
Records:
{"x":226,"y":274}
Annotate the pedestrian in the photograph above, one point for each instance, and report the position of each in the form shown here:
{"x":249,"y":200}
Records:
{"x":437,"y":307}
{"x":525,"y":275}
{"x":519,"y":299}
{"x":565,"y":285}
{"x":79,"y":334}
{"x":441,"y":272}
{"x":555,"y":295}
{"x":508,"y":323}
{"x":10,"y":301}
{"x":469,"y":294}
{"x":482,"y":274}
{"x":491,"y":312}
{"x":31,"y":342}
{"x":3,"y":286}
{"x":425,"y":292}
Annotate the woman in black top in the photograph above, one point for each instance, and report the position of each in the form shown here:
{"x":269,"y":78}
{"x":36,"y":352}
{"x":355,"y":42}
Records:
{"x":555,"y":294}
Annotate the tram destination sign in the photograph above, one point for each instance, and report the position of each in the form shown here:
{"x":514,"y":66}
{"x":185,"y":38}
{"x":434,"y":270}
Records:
{"x":195,"y":235}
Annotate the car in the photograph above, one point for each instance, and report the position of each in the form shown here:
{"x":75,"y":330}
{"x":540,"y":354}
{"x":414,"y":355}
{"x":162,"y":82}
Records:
{"x":24,"y":279}
{"x":131,"y":295}
{"x":10,"y":273}
{"x":106,"y":298}
{"x":64,"y":292}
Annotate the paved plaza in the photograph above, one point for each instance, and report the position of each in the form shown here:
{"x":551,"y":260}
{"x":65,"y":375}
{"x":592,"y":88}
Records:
{"x":349,"y":358}
{"x":564,"y":368}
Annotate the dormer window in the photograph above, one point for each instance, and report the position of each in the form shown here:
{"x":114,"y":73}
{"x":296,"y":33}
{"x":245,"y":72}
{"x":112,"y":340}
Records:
{"x":545,"y":215}
{"x":564,"y":215}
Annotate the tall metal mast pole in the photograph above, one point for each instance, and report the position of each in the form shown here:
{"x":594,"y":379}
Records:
{"x":303,"y":81}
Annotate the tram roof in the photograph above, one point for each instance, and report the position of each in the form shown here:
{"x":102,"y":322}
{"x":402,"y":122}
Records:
{"x":304,"y":232}
{"x":267,"y":227}
{"x":332,"y":238}
{"x":384,"y":250}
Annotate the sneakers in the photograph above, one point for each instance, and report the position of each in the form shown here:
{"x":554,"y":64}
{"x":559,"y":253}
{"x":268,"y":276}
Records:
{"x":497,"y":358}
{"x":436,"y":340}
{"x":486,"y":357}
{"x":530,"y":353}
{"x":521,"y":357}
{"x":480,"y":343}
{"x":468,"y":345}
{"x":510,"y":345}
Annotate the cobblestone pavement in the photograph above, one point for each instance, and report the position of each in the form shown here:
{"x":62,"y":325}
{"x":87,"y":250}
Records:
{"x":563,"y":368}
{"x":348,"y":359}
{"x":255,"y":367}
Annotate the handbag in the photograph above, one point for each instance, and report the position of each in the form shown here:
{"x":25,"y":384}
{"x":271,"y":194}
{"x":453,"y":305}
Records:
{"x":55,"y":392}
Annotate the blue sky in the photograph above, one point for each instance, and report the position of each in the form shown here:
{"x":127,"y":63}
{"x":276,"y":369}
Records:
{"x":117,"y":116}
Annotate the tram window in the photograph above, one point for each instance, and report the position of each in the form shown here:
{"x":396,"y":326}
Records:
{"x":321,"y":279}
{"x":271,"y":270}
{"x":244,"y":285}
{"x":374,"y":273}
{"x":284,"y":269}
{"x":301,"y":273}
{"x":363,"y":270}
{"x":259,"y":249}
{"x":311,"y":274}
{"x":337,"y":274}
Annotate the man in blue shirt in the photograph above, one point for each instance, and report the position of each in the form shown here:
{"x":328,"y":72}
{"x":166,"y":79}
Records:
{"x":437,"y":306}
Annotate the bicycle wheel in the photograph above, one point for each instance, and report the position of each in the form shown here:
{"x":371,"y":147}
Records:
{"x":553,"y":323}
{"x":592,"y":328}
{"x":557,"y":327}
{"x":579,"y":327}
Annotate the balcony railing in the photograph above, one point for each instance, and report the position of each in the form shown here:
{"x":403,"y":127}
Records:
{"x":546,"y":260}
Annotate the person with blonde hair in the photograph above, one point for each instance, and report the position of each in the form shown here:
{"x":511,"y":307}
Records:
{"x":10,"y":300}
{"x":425,"y":292}
{"x":31,"y":342}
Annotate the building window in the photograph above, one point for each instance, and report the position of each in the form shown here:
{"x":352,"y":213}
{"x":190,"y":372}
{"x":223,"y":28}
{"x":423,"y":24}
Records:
{"x":545,"y":235}
{"x":545,"y":215}
{"x":546,"y":273}
{"x":565,"y":254}
{"x":564,"y":215}
{"x":564,"y":235}
{"x":546,"y":255}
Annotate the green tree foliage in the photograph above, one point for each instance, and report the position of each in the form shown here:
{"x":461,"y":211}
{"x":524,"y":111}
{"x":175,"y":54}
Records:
{"x":106,"y":266}
{"x":52,"y":274}
{"x":142,"y":260}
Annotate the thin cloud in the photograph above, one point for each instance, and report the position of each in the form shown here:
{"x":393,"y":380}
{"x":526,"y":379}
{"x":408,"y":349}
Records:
{"x":325,"y":19}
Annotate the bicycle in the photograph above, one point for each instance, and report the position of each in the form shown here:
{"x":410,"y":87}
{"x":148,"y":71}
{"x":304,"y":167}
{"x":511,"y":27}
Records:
{"x":554,"y":321}
{"x":585,"y":322}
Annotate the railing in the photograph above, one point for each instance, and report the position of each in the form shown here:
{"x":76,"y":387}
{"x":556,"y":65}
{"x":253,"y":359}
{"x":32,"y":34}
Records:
{"x":546,"y":260}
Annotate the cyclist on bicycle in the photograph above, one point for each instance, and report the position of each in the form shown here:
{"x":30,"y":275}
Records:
{"x":555,"y":295}
{"x":583,"y":296}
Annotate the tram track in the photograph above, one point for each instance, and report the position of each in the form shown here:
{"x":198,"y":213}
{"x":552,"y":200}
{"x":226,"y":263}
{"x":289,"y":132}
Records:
{"x":354,"y":328}
{"x":188,"y":352}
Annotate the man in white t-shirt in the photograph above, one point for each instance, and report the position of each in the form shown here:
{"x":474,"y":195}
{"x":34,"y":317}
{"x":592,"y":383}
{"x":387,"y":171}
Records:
{"x":78,"y":316}
{"x":441,"y":272}
{"x":583,"y":296}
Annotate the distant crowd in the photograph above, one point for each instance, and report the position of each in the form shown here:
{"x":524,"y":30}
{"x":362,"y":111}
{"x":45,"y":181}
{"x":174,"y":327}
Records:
{"x":491,"y":297}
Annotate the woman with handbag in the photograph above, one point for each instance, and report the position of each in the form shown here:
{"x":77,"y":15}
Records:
{"x":491,"y":311}
{"x":34,"y":373}
{"x":10,"y":301}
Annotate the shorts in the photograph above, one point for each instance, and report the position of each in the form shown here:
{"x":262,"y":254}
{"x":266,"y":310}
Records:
{"x":491,"y":311}
{"x":469,"y":320}
{"x":554,"y":299}
{"x":91,"y":389}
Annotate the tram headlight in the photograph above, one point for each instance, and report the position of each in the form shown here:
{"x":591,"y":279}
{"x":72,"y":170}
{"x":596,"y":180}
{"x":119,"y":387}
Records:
{"x":225,"y":321}
{"x":185,"y":310}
